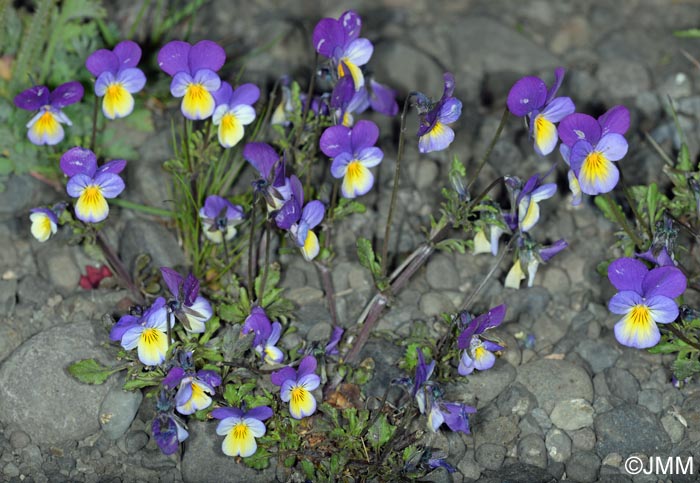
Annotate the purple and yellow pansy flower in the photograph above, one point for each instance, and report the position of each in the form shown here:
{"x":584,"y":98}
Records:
{"x":530,"y":98}
{"x":44,"y":223}
{"x":147,"y":334}
{"x":478,"y":352}
{"x":45,"y":127}
{"x":267,"y":334}
{"x":117,"y":77}
{"x":194,"y":389}
{"x":528,"y":201}
{"x":353,"y":152}
{"x":194,"y":72}
{"x":645,"y":298}
{"x":234,"y":109}
{"x":219,"y":218}
{"x":92,"y":186}
{"x":241,"y":428}
{"x":339,"y":41}
{"x":434,"y":134}
{"x":296,"y":387}
{"x":191,"y":309}
{"x":300,"y":222}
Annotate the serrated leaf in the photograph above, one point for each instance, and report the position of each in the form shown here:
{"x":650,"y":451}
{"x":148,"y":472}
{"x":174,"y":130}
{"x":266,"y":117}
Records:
{"x":132,"y":384}
{"x":89,"y":371}
{"x":231,"y":313}
{"x":666,"y":348}
{"x":684,"y":368}
{"x":231,"y":395}
{"x":259,"y":461}
{"x":381,"y":432}
{"x":367,"y":257}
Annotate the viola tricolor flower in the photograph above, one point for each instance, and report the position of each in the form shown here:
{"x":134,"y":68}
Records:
{"x":331,"y":348}
{"x":645,"y":298}
{"x":455,"y":415}
{"x":267,"y":334}
{"x":296,"y":387}
{"x":234,"y":109}
{"x":194,"y":391}
{"x":219,"y":218}
{"x":528,"y":208}
{"x":93,"y":276}
{"x":90,"y":184}
{"x":477,"y":352}
{"x":272,"y":184}
{"x":44,"y":223}
{"x":193,"y":69}
{"x":190,"y":308}
{"x":299,"y":221}
{"x":353,"y":152}
{"x":117,"y":77}
{"x":591,"y":147}
{"x":434,"y":134}
{"x":530,"y":97}
{"x":421,"y":385}
{"x":528,"y":260}
{"x":148,"y":334}
{"x":339,"y":41}
{"x":347,"y":102}
{"x":168,"y":431}
{"x":241,"y":428}
{"x":45,"y":127}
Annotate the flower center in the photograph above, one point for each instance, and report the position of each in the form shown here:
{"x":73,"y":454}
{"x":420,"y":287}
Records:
{"x":196,"y":93}
{"x":640,"y":316}
{"x":595,"y":165}
{"x":92,"y":195}
{"x":299,"y":395}
{"x":240,"y":431}
{"x":115,"y":92}
{"x":354,"y":169}
{"x":150,"y":336}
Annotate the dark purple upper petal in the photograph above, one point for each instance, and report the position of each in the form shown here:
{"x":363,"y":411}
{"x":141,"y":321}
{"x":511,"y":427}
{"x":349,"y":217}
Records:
{"x":667,"y":281}
{"x":245,"y":94}
{"x":33,"y":98}
{"x":328,"y":35}
{"x":115,"y":166}
{"x":577,"y":127}
{"x":258,"y":323}
{"x":175,"y":375}
{"x":558,"y":79}
{"x":616,"y":120}
{"x":172,"y":58}
{"x":297,"y":189}
{"x":223,"y":413}
{"x":490,"y":319}
{"x":343,"y":92}
{"x":332,"y":346}
{"x":364,"y":135}
{"x":546,"y":253}
{"x":210,"y":377}
{"x":262,"y":156}
{"x":382,"y":99}
{"x":206,"y":54}
{"x":627,"y":274}
{"x":102,"y":60}
{"x":423,"y":372}
{"x":526,"y":95}
{"x":288,"y":215}
{"x":352,"y":24}
{"x":190,"y":289}
{"x":78,"y":160}
{"x":306,"y":366}
{"x":165,"y":434}
{"x":285,"y":374}
{"x":124,"y":323}
{"x":465,"y":337}
{"x":66,"y":94}
{"x":261,"y":413}
{"x":129,"y":54}
{"x":336,"y":140}
{"x":662,"y":259}
{"x":172,"y":279}
{"x":313,"y":213}
{"x":456,"y":416}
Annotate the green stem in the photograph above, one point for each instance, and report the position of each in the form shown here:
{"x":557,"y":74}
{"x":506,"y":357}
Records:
{"x":395,"y":188}
{"x":150,"y":210}
{"x":251,"y":244}
{"x":630,"y":202}
{"x":93,"y":137}
{"x":186,"y":144}
{"x":622,"y":220}
{"x":481,"y":196}
{"x":487,"y":154}
{"x":307,"y":104}
{"x":266,"y":264}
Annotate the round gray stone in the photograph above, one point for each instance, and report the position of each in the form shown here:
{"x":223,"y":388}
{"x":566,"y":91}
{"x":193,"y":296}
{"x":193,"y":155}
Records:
{"x":558,"y":445}
{"x":583,"y":466}
{"x":622,"y":384}
{"x":516,"y":400}
{"x":572,"y":414}
{"x":19,"y":439}
{"x":118,"y":410}
{"x":135,"y":440}
{"x":629,"y":429}
{"x":532,"y":451}
{"x":552,"y":381}
{"x":490,"y":455}
{"x":63,"y":409}
{"x":142,"y":236}
{"x":484,"y":386}
{"x":442,"y":273}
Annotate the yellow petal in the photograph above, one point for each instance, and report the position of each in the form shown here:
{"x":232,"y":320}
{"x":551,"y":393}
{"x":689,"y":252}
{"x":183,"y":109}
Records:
{"x":92,"y":206}
{"x":117,"y":102}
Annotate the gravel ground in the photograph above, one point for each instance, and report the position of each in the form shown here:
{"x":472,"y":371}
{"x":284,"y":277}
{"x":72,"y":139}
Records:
{"x":572,"y":407}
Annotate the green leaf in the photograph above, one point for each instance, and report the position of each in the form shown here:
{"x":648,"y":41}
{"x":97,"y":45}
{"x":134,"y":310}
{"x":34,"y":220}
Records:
{"x":308,"y":468}
{"x":132,"y":384}
{"x":452,"y":245}
{"x":212,"y":326}
{"x":259,"y":461}
{"x":231,"y":395}
{"x":687,"y":33}
{"x":367,"y":257}
{"x":289,"y":461}
{"x":684,"y":163}
{"x":347,"y":207}
{"x":89,"y":371}
{"x":684,"y":368}
{"x":231,"y":313}
{"x":652,"y":201}
{"x":608,"y":210}
{"x":380,"y":432}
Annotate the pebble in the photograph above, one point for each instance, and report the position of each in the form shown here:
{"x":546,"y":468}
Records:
{"x":516,"y":400}
{"x":622,"y":384}
{"x":583,"y":467}
{"x":484,"y":386}
{"x":139,"y":236}
{"x":623,"y":78}
{"x":558,"y":445}
{"x":58,"y":264}
{"x":598,"y":354}
{"x":572,"y":414}
{"x":10,"y":470}
{"x":490,"y":455}
{"x":673,"y":428}
{"x":434,"y":303}
{"x":532,"y":451}
{"x":118,"y":410}
{"x":629,"y":429}
{"x":651,"y":399}
{"x":19,"y":439}
{"x":501,"y":430}
{"x":529,"y":425}
{"x":8,"y":296}
{"x":553,"y":380}
{"x":442,"y":273}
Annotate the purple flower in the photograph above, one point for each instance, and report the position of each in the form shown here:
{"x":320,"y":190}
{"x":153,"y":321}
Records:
{"x":219,"y":218}
{"x":147,"y":334}
{"x":478,"y":353}
{"x":530,"y":97}
{"x":193,"y":68}
{"x":420,"y":381}
{"x":332,"y":346}
{"x":645,"y":298}
{"x":590,"y":147}
{"x":353,"y":152}
{"x":661,"y":259}
{"x":532,"y":193}
{"x":117,"y":77}
{"x":233,"y":111}
{"x":267,"y":334}
{"x":168,"y":431}
{"x":272,"y":184}
{"x":45,"y":127}
{"x":195,"y":391}
{"x":90,"y":184}
{"x":434,"y":134}
{"x":296,"y":387}
{"x":190,"y":308}
{"x":455,"y":415}
{"x":241,"y":428}
{"x":299,"y":221}
{"x":347,"y":102}
{"x":44,"y":223}
{"x":339,"y":41}
{"x":528,"y":261}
